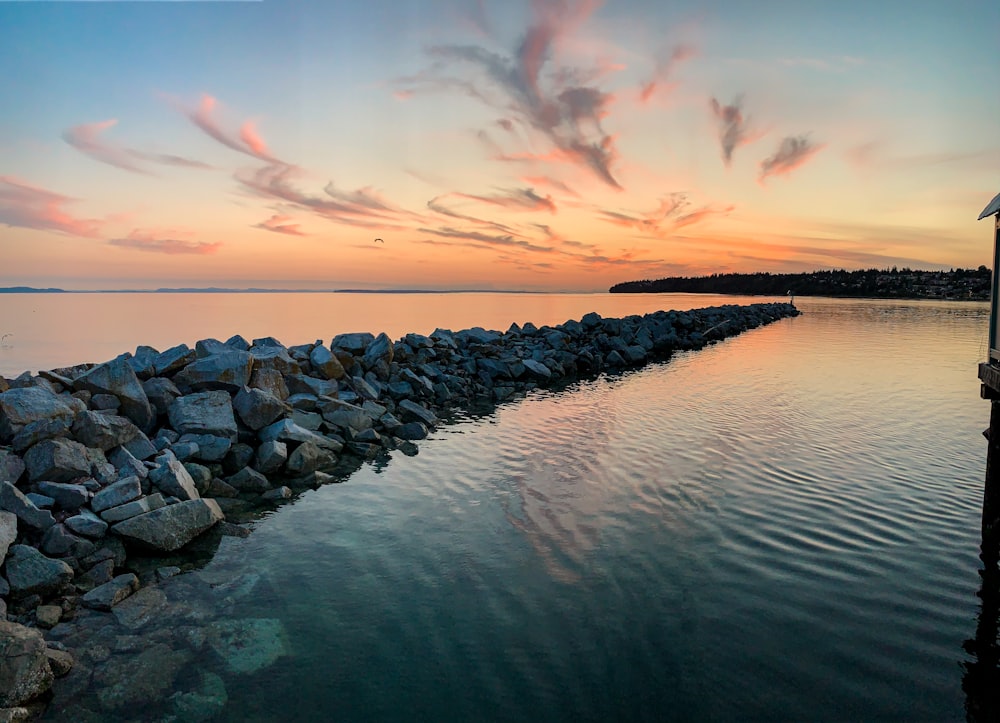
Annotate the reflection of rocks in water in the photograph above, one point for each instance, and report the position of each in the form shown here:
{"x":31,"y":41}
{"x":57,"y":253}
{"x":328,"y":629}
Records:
{"x":247,"y":646}
{"x":127,"y":680}
{"x":202,"y":704}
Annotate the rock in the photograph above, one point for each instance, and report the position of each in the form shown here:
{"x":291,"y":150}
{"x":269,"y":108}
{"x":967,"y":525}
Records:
{"x":13,"y":500}
{"x":207,"y":447}
{"x":537,"y":369}
{"x":411,"y":431}
{"x":8,"y":532}
{"x":257,"y":408}
{"x":87,"y":524}
{"x":271,"y":456}
{"x":170,"y":528}
{"x":103,"y":431}
{"x":47,"y":616}
{"x":126,"y":681}
{"x":278,"y":493}
{"x":60,"y":542}
{"x":204,"y":413}
{"x":204,"y":704}
{"x":420,"y":413}
{"x":380,"y":349}
{"x":477,"y":335}
{"x":307,"y":458}
{"x":273,"y":356}
{"x":237,"y":458}
{"x":228,"y":370}
{"x":20,"y":407}
{"x":248,"y":646}
{"x":141,"y":609}
{"x":29,"y":572}
{"x":200,"y":475}
{"x":57,"y":460}
{"x":66,"y":496}
{"x":249,"y":480}
{"x":300,"y":384}
{"x":270,"y":380}
{"x":346,"y":416}
{"x":39,"y":431}
{"x":118,"y":378}
{"x":172,"y":478}
{"x":24,"y":669}
{"x":60,"y":661}
{"x":11,"y":466}
{"x":103,"y":402}
{"x":42,"y":502}
{"x":97,"y":575}
{"x":287,"y":431}
{"x":106,"y":596}
{"x":117,"y":494}
{"x":325,"y":363}
{"x":161,"y":392}
{"x":172,"y":360}
{"x":127,"y":465}
{"x":140,"y":447}
{"x":354,"y":343}
{"x":133,"y":508}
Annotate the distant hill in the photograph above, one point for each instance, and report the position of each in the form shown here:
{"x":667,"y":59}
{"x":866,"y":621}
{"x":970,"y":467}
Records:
{"x":29,"y":290}
{"x":891,"y":283}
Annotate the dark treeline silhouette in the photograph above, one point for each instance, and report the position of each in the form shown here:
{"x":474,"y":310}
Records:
{"x":879,"y":283}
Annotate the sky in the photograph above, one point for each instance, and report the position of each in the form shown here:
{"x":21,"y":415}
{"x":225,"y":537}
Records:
{"x":539,"y":145}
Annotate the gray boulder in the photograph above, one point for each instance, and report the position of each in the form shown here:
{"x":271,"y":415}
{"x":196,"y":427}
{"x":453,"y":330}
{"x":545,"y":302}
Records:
{"x":380,"y":349}
{"x":354,"y":343}
{"x":29,"y":572}
{"x":161,"y":392}
{"x":208,"y":447}
{"x":133,"y":508}
{"x":8,"y":532}
{"x":57,"y":460}
{"x":39,"y":431}
{"x":411,"y":431}
{"x":208,"y":412}
{"x":60,"y":542}
{"x":228,"y":370}
{"x":288,"y":431}
{"x":66,"y":496}
{"x":172,"y":478}
{"x":118,"y":378}
{"x":106,"y":596}
{"x":173,"y":360}
{"x":270,"y":380}
{"x":417,"y":412}
{"x":11,"y":466}
{"x":273,"y":356}
{"x":248,"y":646}
{"x":170,"y":528}
{"x":13,"y":500}
{"x":346,"y":415}
{"x":103,"y":431}
{"x":325,"y":363}
{"x":248,"y":480}
{"x":307,"y":458}
{"x":20,"y":407}
{"x":126,"y":464}
{"x":87,"y":524}
{"x":271,"y":456}
{"x":257,"y":408}
{"x":140,"y":447}
{"x":117,"y":494}
{"x":24,"y":668}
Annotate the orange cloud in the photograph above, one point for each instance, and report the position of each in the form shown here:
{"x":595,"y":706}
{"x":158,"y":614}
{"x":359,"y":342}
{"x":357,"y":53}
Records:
{"x":247,"y":141}
{"x":87,"y":139}
{"x":663,"y":70}
{"x":279,"y":224}
{"x":26,"y":206}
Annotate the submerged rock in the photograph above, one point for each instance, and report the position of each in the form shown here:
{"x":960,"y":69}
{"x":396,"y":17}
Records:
{"x":127,"y":680}
{"x":248,"y":646}
{"x":24,"y":668}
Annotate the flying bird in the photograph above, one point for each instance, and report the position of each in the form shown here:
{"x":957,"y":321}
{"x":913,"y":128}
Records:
{"x":379,"y":241}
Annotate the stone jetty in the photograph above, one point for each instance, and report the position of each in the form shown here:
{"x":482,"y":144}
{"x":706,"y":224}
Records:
{"x":104,"y":467}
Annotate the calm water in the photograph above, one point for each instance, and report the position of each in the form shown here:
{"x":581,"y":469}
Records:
{"x":783,"y":526}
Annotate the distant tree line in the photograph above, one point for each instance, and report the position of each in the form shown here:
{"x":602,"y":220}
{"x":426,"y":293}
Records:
{"x":892,"y":282}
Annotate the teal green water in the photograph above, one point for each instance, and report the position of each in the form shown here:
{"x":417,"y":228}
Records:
{"x":783,"y":526}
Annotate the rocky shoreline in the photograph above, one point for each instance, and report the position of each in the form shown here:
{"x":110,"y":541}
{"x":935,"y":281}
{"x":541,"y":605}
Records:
{"x":116,"y":477}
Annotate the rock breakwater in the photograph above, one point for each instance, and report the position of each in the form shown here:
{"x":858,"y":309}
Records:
{"x":110,"y":474}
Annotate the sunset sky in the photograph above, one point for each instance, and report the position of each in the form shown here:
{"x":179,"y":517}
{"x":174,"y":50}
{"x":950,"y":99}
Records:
{"x":547,"y":145}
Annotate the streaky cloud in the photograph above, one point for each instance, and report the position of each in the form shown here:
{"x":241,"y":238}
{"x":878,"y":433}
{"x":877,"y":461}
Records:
{"x":143,"y":241}
{"x":247,"y":141}
{"x":733,"y":127}
{"x":23,"y":205}
{"x":87,"y":138}
{"x":793,"y":152}
{"x":663,"y":71}
{"x":280,"y":224}
{"x":517,"y":199}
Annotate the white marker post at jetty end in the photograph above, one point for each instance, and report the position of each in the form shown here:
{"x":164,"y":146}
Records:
{"x":989,"y":375}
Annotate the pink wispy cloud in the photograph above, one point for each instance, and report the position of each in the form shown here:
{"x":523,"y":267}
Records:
{"x":281,"y":224}
{"x":562,"y":106}
{"x":665,"y":67}
{"x":154,"y":243}
{"x":669,"y":215}
{"x":793,"y":152}
{"x":88,"y":138}
{"x":246,"y":140}
{"x":26,"y":206}
{"x":517,"y":199}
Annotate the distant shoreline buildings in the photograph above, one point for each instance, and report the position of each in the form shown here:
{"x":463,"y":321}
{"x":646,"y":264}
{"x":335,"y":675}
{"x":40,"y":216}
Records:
{"x":894,"y":283}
